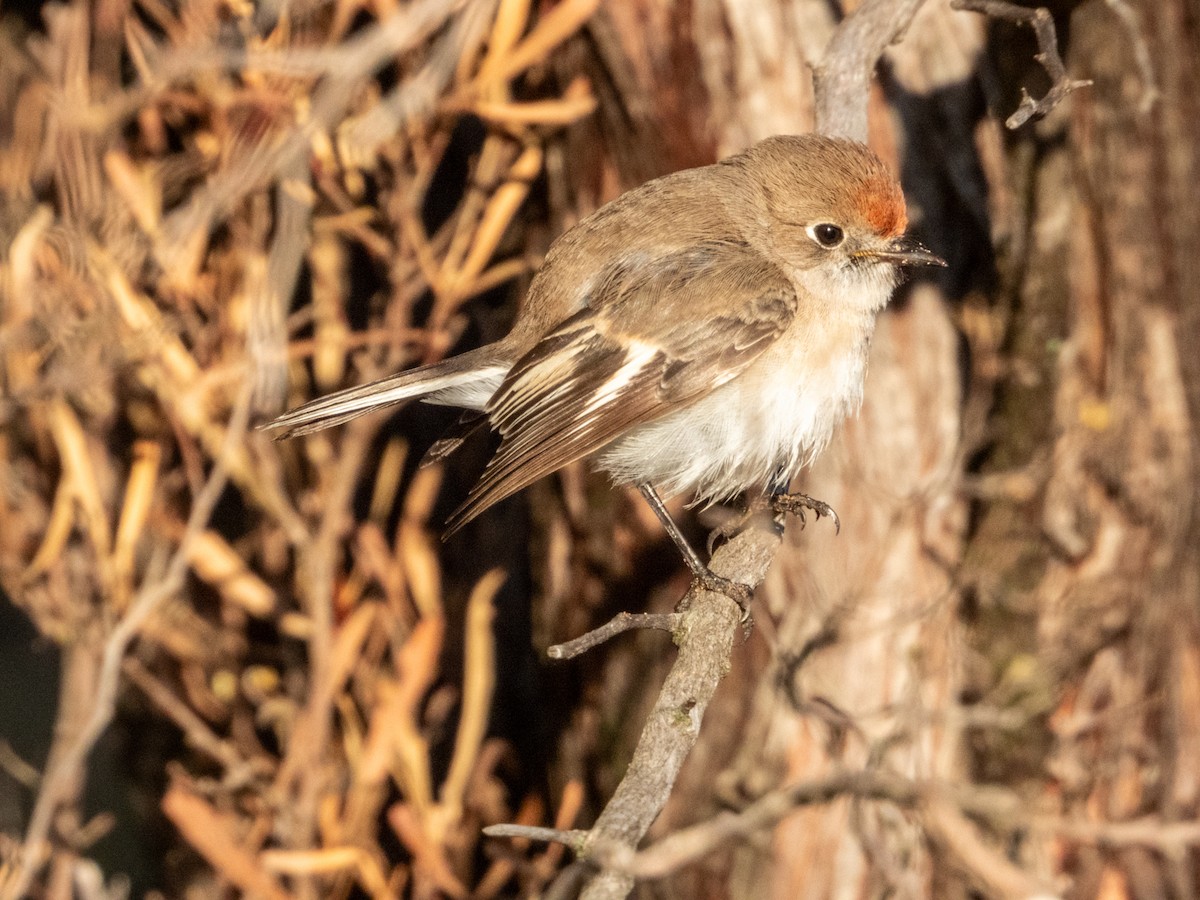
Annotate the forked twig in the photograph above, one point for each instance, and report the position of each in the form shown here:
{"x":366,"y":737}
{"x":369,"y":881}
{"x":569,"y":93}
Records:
{"x":842,"y":81}
{"x":1042,"y":23}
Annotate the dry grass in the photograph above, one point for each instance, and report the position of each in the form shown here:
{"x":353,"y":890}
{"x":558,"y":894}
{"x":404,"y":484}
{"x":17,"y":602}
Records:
{"x":175,"y":175}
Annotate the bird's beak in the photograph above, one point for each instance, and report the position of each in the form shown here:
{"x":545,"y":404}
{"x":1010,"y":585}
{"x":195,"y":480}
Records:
{"x":904,"y":251}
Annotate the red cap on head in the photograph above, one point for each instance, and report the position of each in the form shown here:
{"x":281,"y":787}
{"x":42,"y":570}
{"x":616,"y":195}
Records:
{"x":881,"y":203}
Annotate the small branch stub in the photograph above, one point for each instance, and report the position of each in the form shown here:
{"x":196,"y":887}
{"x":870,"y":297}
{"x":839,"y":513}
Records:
{"x":619,"y":624}
{"x":1042,"y":23}
{"x":575,"y":839}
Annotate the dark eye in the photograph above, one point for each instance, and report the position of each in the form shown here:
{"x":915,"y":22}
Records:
{"x":826,"y":234}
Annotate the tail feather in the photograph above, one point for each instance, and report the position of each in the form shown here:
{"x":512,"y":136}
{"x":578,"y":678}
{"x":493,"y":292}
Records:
{"x":477,"y":367}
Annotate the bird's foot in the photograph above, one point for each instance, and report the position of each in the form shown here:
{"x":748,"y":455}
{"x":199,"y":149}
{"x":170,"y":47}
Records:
{"x":703,"y":578}
{"x":739,"y":593}
{"x":707,"y":580}
{"x":796,"y":504}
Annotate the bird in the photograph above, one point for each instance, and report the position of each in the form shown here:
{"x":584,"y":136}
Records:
{"x":700,"y":335}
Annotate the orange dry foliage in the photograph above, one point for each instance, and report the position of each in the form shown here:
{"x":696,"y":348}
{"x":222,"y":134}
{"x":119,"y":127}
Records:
{"x":174,"y":177}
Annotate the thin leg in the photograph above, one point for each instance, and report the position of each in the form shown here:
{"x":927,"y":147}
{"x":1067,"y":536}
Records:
{"x":708,"y":579}
{"x":690,"y":556}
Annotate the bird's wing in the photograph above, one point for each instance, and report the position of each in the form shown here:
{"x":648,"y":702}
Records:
{"x":658,"y":332}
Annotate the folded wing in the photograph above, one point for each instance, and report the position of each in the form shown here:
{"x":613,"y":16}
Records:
{"x":658,"y":333}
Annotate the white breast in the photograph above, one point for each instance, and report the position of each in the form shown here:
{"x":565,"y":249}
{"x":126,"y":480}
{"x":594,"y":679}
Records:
{"x":778,"y":414}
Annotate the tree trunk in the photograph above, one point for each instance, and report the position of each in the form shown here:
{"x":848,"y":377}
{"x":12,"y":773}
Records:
{"x":1017,"y":565}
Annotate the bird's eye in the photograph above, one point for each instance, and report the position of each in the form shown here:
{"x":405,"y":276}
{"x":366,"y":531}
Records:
{"x":826,"y":234}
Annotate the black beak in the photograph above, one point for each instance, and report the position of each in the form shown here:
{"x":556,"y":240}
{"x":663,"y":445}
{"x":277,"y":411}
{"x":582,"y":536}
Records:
{"x":904,"y":251}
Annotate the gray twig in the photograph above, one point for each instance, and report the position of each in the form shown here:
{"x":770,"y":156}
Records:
{"x":842,"y":81}
{"x":943,"y":815}
{"x":618,"y":624}
{"x":574,"y":839}
{"x":705,"y":635}
{"x":1042,"y":23}
{"x":691,"y":844}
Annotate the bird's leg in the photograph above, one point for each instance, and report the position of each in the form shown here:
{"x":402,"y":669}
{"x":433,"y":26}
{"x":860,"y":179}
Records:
{"x":703,"y":575}
{"x":796,"y":504}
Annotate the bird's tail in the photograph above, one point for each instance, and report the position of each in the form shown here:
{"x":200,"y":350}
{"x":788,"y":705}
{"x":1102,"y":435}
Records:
{"x":467,"y":380}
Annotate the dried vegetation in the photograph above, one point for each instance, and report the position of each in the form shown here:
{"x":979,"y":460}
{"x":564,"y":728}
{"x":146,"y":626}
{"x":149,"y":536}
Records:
{"x":172,"y":176}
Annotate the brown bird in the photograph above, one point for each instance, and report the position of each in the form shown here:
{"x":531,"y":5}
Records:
{"x":701,"y":334}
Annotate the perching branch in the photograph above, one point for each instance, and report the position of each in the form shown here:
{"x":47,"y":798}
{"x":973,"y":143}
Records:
{"x":704,"y":632}
{"x":1048,"y":56}
{"x":842,"y":81}
{"x":705,"y":636}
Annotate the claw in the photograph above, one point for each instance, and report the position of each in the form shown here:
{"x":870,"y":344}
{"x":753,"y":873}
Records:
{"x":795,"y":504}
{"x":739,"y":593}
{"x":712,"y":539}
{"x":733,"y":526}
{"x":727,"y":530}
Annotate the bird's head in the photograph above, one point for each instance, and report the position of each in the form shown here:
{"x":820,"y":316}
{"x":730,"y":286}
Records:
{"x":833,"y":214}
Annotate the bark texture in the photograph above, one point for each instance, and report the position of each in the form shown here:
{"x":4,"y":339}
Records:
{"x":1011,"y":599}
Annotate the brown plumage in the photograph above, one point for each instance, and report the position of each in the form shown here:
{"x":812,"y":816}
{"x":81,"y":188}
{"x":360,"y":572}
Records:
{"x":697,"y":334}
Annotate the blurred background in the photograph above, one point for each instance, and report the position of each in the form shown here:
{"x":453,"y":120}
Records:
{"x":269,"y":676}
